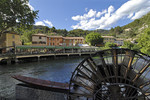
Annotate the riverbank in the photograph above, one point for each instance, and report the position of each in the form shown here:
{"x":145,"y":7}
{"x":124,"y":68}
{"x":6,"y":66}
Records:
{"x":39,"y":57}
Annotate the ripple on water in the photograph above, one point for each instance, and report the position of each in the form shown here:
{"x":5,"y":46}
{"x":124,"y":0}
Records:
{"x":58,"y":70}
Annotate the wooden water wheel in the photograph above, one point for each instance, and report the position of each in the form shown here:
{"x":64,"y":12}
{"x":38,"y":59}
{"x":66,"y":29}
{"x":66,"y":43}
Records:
{"x":113,"y":74}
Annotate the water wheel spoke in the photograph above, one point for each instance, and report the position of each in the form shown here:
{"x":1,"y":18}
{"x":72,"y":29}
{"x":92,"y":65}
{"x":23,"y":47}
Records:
{"x":128,"y":59}
{"x":87,"y":78}
{"x":113,"y":74}
{"x":83,"y":85}
{"x":140,"y":73}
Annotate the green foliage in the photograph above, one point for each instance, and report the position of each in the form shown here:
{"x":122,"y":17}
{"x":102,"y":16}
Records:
{"x":109,"y":45}
{"x":131,"y":33}
{"x":26,"y":36}
{"x":101,"y":31}
{"x":78,"y":33}
{"x":129,"y":45}
{"x":16,"y":13}
{"x":138,"y":23}
{"x":144,"y":42}
{"x":94,"y":38}
{"x":62,"y":32}
{"x":28,"y":43}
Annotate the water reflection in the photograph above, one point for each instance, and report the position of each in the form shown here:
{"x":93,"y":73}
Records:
{"x":54,"y":69}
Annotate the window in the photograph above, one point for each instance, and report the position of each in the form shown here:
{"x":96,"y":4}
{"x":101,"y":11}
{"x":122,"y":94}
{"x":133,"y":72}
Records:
{"x":40,"y":37}
{"x":13,"y":36}
{"x":13,"y":43}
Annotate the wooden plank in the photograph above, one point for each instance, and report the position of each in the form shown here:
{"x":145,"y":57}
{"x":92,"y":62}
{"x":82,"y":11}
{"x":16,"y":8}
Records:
{"x":83,"y":85}
{"x":115,"y":63}
{"x":140,"y":73}
{"x":129,"y":62}
{"x":86,"y":76}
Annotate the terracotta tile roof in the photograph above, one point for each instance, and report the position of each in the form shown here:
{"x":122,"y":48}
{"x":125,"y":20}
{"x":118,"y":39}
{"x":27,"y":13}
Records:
{"x":55,"y":36}
{"x":108,"y":36}
{"x":73,"y":37}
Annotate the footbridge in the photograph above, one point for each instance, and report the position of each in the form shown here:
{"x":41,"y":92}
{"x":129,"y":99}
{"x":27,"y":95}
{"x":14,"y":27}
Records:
{"x":15,"y":53}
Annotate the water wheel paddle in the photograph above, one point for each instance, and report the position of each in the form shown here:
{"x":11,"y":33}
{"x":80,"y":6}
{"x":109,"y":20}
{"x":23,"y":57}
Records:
{"x":113,"y":74}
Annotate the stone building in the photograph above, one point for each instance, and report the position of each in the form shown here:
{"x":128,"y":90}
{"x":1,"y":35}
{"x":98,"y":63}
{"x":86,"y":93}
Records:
{"x":54,"y":40}
{"x":72,"y":41}
{"x":9,"y":39}
{"x":44,"y":40}
{"x":108,"y":39}
{"x":39,"y":39}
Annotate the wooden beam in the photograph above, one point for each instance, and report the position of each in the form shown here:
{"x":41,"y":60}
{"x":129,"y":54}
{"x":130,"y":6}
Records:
{"x":131,"y":55}
{"x":83,"y":85}
{"x":85,"y":76}
{"x":140,"y":73}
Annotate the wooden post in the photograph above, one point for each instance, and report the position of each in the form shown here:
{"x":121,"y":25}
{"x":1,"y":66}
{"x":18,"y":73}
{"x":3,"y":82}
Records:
{"x":8,"y":61}
{"x":38,"y":58}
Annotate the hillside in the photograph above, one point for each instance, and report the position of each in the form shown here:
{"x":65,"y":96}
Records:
{"x":140,"y":23}
{"x":135,"y":28}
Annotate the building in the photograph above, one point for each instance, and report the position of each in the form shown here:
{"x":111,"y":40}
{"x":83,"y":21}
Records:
{"x":43,"y":40}
{"x":72,"y":41}
{"x":9,"y":39}
{"x":108,"y":39}
{"x":39,"y":39}
{"x":119,"y":41}
{"x":54,"y":40}
{"x":112,"y":39}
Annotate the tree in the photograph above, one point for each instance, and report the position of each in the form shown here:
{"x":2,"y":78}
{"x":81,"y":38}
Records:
{"x":144,"y":42}
{"x":94,"y":38}
{"x":78,"y":33}
{"x":16,"y":13}
{"x":53,"y":29}
{"x":26,"y":37}
{"x":118,"y":30}
{"x":109,"y":45}
{"x":129,"y":45}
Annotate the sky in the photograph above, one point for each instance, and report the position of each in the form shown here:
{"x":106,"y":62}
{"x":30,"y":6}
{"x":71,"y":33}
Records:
{"x":88,"y":14}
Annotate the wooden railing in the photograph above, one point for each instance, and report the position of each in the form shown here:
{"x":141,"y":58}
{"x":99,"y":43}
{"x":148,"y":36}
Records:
{"x":12,"y":51}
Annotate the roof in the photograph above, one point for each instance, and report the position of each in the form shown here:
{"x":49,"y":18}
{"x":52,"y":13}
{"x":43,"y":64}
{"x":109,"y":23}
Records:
{"x":73,"y":37}
{"x":108,"y":36}
{"x":119,"y":39}
{"x":39,"y":34}
{"x":55,"y":36}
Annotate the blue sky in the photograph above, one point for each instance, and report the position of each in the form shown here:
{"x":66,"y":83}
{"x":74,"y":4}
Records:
{"x":88,"y":14}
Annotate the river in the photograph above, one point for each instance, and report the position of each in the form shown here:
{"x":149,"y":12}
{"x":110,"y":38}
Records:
{"x":59,"y":70}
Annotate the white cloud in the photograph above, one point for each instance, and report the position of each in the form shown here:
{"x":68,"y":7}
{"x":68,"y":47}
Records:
{"x":101,"y":13}
{"x":40,"y":23}
{"x":48,"y":22}
{"x":132,"y":9}
{"x":44,"y":22}
{"x":90,"y":14}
